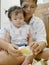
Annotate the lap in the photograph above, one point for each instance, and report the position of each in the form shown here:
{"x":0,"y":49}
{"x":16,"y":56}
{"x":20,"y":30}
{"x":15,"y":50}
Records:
{"x":6,"y":59}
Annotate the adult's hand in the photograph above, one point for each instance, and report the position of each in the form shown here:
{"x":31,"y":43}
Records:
{"x":13,"y":50}
{"x":37,"y":47}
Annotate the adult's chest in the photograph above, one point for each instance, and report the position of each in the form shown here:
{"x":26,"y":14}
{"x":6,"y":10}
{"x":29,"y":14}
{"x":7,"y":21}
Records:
{"x":34,"y":30}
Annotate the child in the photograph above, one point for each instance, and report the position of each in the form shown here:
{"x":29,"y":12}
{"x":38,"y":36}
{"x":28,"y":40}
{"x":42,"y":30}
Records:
{"x":19,"y":31}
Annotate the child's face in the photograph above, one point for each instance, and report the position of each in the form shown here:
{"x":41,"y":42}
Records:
{"x":17,"y":19}
{"x":29,"y":6}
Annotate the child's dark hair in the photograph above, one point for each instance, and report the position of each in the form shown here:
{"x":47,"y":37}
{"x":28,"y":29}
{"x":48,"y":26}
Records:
{"x":21,"y":1}
{"x":11,"y":9}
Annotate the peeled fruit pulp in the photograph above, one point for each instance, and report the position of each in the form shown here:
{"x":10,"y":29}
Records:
{"x":26,"y":51}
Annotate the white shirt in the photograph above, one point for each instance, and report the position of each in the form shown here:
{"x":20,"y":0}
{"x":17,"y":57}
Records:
{"x":38,"y":30}
{"x":18,"y":35}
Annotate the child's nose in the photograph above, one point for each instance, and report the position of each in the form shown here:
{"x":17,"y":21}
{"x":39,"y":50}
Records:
{"x":18,"y":19}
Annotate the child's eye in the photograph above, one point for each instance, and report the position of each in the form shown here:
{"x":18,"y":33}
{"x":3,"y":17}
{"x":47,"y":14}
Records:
{"x":15,"y":19}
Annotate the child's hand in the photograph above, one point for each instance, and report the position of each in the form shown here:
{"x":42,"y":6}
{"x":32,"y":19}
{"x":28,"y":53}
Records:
{"x":13,"y":50}
{"x":37,"y":47}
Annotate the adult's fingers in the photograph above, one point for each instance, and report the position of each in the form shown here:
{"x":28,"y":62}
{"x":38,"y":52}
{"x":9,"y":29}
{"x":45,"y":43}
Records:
{"x":35,"y":45}
{"x":31,"y":44}
{"x":37,"y":50}
{"x":16,"y":47}
{"x":17,"y":53}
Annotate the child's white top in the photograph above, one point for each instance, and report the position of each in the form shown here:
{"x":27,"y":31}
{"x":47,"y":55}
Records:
{"x":18,"y":35}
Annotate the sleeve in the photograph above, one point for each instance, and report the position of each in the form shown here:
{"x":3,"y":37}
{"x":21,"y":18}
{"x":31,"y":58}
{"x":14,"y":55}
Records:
{"x":7,"y":26}
{"x":40,"y":31}
{"x":2,"y":33}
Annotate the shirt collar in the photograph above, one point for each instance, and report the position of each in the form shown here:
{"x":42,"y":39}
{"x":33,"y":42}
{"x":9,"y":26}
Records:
{"x":32,"y":19}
